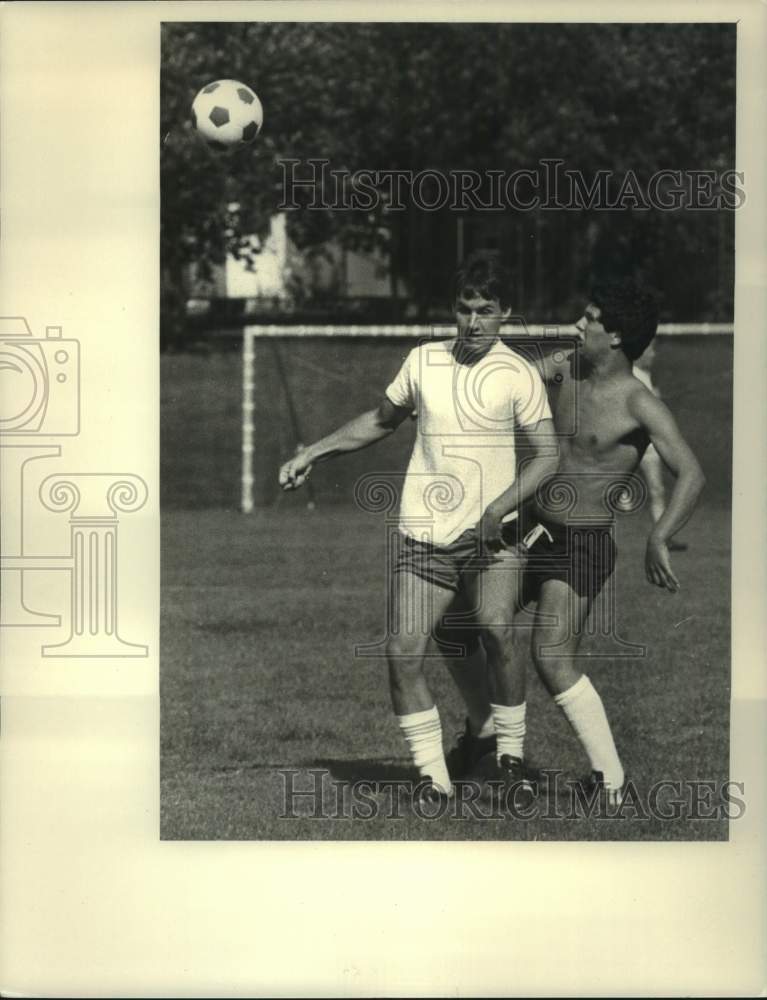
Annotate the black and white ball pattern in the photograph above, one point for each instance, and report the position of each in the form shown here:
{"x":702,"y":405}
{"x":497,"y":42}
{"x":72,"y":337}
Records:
{"x":227,"y":114}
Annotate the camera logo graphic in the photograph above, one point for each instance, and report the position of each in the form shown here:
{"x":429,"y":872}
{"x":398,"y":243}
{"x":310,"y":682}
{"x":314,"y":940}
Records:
{"x":39,"y":381}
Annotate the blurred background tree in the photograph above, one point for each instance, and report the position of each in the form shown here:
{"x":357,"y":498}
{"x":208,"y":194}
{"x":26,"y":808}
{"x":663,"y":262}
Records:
{"x":483,"y":97}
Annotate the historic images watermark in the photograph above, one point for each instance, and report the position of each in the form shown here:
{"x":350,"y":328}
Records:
{"x":40,"y":392}
{"x":315,"y":794}
{"x":314,"y":185}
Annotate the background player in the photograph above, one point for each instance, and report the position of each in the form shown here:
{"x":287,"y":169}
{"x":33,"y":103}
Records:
{"x":472,"y":396}
{"x":606,"y":419}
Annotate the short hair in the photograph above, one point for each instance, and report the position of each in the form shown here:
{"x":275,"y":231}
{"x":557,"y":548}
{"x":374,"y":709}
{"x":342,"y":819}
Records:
{"x":627,"y":309}
{"x":484,"y":273}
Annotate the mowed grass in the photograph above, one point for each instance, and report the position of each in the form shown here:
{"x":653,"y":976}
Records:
{"x":261,"y":616}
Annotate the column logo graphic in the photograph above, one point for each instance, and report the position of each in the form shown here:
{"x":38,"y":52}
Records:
{"x":39,"y":402}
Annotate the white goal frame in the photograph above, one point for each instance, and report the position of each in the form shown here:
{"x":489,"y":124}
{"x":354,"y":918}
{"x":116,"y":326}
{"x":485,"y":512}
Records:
{"x":257,"y":332}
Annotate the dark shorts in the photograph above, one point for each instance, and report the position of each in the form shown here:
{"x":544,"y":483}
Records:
{"x":580,"y":554}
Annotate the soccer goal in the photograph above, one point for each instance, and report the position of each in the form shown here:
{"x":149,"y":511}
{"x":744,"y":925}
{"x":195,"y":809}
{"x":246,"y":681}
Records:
{"x":362,"y":337}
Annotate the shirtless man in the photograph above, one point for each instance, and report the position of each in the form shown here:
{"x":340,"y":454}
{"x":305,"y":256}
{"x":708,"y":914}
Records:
{"x":605,"y":418}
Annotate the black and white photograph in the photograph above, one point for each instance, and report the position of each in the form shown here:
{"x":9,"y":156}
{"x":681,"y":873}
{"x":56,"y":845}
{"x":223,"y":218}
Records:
{"x":446,"y":430}
{"x":382,"y":470}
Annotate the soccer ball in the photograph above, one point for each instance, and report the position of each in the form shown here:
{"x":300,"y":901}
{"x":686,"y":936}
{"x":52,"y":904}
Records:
{"x":227,"y":114}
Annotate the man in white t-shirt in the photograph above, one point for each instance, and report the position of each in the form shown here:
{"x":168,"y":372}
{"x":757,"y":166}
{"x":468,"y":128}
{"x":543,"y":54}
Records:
{"x":473,"y":398}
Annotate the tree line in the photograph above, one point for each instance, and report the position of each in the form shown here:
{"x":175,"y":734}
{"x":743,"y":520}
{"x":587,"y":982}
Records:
{"x":639,"y":98}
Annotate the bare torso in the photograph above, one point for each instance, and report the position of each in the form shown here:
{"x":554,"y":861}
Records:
{"x":600,"y":442}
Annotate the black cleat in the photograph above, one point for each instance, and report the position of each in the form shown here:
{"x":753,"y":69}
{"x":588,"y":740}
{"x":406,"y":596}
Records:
{"x":514,"y":783}
{"x":594,"y":784}
{"x":469,"y":753}
{"x":429,"y":794}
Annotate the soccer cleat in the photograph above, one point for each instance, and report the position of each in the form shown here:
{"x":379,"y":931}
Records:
{"x":431,"y":794}
{"x":595,"y":783}
{"x":465,"y":757}
{"x":514,"y":783}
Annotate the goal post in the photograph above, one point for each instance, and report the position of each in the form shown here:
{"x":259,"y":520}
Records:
{"x":248,"y":418}
{"x":253,"y":333}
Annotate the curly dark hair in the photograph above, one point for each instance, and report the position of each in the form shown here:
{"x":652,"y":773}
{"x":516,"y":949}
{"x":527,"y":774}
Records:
{"x":484,"y":273}
{"x":627,"y":309}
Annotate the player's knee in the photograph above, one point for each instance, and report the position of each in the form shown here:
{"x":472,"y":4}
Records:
{"x":404,"y":671}
{"x":552,"y":657}
{"x":496,"y":638}
{"x":403,"y":648}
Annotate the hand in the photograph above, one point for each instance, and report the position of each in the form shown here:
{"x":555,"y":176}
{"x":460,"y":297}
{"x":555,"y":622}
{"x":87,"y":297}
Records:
{"x":490,"y":526}
{"x":295,"y":471}
{"x":658,"y":565}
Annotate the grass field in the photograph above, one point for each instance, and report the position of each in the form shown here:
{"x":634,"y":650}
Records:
{"x":261,"y":615}
{"x":330,"y":381}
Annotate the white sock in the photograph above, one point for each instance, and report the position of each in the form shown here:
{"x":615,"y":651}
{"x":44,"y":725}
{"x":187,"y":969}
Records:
{"x":423,"y":732}
{"x":586,"y":714}
{"x":509,"y":722}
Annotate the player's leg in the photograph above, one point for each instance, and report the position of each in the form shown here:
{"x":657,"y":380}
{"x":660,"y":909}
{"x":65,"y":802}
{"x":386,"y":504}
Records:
{"x":417,"y":606}
{"x":457,"y":637}
{"x":470,"y":676}
{"x":495,"y":590}
{"x":555,"y":641}
{"x":464,"y":656}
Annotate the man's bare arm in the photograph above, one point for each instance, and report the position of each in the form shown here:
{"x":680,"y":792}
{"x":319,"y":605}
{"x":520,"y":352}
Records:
{"x":540,"y":442}
{"x":656,"y":419}
{"x":358,"y":433}
{"x":551,"y":356}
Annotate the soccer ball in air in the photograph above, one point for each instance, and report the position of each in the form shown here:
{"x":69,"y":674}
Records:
{"x":227,"y":114}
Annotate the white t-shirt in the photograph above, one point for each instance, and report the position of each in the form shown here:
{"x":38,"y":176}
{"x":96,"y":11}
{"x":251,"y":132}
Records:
{"x":464,"y":455}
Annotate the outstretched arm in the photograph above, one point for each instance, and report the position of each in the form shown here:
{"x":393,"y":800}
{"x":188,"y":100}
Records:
{"x":540,"y":442}
{"x":364,"y":430}
{"x":656,"y":419}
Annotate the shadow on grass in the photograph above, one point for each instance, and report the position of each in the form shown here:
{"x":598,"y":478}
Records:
{"x":366,"y":769}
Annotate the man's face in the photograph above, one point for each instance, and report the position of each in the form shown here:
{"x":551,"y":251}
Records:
{"x":596,"y":342}
{"x":479,"y":321}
